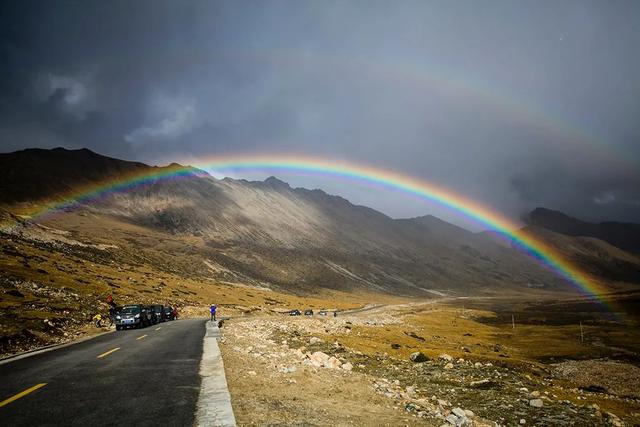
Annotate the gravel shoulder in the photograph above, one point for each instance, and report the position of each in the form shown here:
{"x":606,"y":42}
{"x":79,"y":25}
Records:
{"x":380,"y":367}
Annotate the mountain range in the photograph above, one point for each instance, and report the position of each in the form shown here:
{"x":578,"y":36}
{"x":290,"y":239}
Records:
{"x":268,"y":234}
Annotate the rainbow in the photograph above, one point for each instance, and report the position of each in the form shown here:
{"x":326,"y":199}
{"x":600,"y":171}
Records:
{"x":470,"y":209}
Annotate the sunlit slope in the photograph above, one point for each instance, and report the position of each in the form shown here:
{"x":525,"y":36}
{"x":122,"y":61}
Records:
{"x":287,"y":238}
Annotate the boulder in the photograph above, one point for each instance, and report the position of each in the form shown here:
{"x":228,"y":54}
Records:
{"x":314,"y":340}
{"x":536,"y":403}
{"x":318,"y":358}
{"x":347,"y":366}
{"x":614,"y":420}
{"x":451,"y":419}
{"x":332,"y":363}
{"x":458,"y":412}
{"x":418,"y":357}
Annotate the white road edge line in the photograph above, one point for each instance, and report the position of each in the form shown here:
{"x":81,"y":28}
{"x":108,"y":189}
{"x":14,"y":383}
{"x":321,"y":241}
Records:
{"x":214,"y":402}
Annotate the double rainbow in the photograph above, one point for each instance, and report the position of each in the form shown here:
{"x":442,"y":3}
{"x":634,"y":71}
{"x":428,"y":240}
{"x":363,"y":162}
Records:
{"x":341,"y":169}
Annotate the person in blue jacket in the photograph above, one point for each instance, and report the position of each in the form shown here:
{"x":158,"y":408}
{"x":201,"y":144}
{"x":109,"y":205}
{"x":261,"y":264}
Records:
{"x":213,"y":312}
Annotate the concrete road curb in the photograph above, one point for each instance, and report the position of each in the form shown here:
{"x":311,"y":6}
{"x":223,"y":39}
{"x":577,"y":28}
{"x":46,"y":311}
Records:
{"x":51,"y":347}
{"x":214,"y":403}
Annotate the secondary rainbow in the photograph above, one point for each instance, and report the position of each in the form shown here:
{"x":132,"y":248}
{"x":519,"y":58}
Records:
{"x":376,"y":176}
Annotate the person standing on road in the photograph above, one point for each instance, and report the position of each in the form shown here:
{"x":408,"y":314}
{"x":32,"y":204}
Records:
{"x":112,"y":316}
{"x":213,"y":309}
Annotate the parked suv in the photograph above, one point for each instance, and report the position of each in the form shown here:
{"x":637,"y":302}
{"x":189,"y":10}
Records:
{"x":294,"y":313}
{"x":150,"y":312}
{"x":131,"y":316}
{"x":168,"y":313}
{"x":159,"y":310}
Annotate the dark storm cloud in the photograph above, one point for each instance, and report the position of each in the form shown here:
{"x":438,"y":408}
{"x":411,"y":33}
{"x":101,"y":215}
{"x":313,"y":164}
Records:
{"x":516,"y":104}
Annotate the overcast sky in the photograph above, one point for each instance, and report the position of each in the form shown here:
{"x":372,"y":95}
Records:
{"x":516,"y":104}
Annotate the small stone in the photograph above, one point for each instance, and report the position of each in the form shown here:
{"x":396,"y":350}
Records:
{"x":469,"y":413}
{"x":536,"y":403}
{"x":252,"y":373}
{"x":288,"y":369}
{"x":446,"y":357}
{"x":347,"y":366}
{"x":523,"y":421}
{"x":448,"y":366}
{"x":483,"y":384}
{"x":535,"y":393}
{"x":314,"y":340}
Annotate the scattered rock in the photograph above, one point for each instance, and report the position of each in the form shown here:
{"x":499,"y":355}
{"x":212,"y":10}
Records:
{"x":288,"y":369}
{"x":347,"y":366}
{"x":314,"y":340}
{"x":448,"y":366}
{"x":410,"y":407}
{"x":445,"y":357}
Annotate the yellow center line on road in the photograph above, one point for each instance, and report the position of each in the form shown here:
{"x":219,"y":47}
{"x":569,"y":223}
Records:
{"x":158,"y":328}
{"x":22,"y":394}
{"x":108,"y":352}
{"x":139,"y":338}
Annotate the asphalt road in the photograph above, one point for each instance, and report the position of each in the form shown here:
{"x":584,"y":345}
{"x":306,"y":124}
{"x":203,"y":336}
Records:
{"x":151,"y":379}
